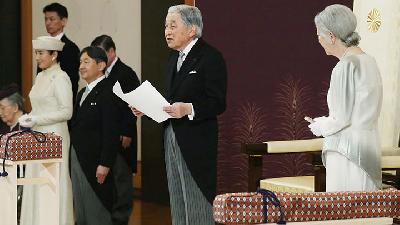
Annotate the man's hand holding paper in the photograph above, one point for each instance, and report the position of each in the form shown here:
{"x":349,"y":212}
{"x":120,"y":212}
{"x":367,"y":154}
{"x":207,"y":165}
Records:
{"x":178,"y":109}
{"x":136,"y":112}
{"x":145,"y":99}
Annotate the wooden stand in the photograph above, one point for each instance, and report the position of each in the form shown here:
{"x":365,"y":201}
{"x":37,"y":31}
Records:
{"x":49,"y":188}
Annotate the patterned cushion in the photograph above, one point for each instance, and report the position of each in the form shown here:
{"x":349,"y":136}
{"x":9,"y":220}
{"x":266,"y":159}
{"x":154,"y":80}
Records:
{"x":29,"y":145}
{"x":248,"y":208}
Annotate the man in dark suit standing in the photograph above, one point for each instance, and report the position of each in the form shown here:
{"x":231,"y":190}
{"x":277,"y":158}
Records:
{"x":196,"y":88}
{"x":94,"y":143}
{"x":55,"y":18}
{"x":118,"y":71}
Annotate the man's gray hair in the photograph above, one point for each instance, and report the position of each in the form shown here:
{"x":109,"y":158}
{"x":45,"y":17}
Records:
{"x":16,"y":99}
{"x":339,"y":20}
{"x":190,"y":15}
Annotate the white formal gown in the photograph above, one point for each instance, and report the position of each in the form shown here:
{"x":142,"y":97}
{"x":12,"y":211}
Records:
{"x":351,"y":151}
{"x":51,"y":100}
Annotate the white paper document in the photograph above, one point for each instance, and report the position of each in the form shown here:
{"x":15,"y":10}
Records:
{"x":146,"y":99}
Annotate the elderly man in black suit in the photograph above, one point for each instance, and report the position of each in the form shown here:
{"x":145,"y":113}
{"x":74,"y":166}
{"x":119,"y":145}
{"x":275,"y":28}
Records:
{"x":118,"y":71}
{"x":196,"y":88}
{"x":55,"y":19}
{"x":94,"y":143}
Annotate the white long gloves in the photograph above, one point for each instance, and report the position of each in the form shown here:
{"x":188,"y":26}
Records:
{"x":315,"y":126}
{"x":27,"y":121}
{"x":315,"y":129}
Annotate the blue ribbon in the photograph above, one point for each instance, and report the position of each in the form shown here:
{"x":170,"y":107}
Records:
{"x":269,"y":196}
{"x":39,"y":136}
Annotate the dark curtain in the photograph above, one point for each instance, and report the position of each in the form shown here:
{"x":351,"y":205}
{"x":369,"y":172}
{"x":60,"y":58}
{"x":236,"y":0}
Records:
{"x":277,"y":74}
{"x":154,"y":60}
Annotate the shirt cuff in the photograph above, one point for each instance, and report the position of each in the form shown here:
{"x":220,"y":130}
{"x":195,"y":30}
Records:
{"x":191,"y":116}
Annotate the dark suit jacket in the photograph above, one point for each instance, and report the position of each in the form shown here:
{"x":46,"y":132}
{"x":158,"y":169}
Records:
{"x":202,"y":80}
{"x":69,"y":63}
{"x":127,"y":121}
{"x":4,"y":128}
{"x":95,"y":138}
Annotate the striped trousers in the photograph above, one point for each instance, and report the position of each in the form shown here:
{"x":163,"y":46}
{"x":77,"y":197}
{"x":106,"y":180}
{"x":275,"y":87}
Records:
{"x":87,"y":206}
{"x":188,"y":204}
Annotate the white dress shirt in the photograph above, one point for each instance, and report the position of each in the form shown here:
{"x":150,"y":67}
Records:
{"x":108,"y":70}
{"x":59,"y":36}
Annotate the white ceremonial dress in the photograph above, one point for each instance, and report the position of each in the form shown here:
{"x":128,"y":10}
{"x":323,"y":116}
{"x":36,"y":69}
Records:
{"x":351,"y":150}
{"x":51,"y":100}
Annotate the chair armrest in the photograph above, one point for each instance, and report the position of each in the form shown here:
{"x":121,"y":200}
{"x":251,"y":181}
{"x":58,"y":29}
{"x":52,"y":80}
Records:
{"x":280,"y":147}
{"x":295,"y":146}
{"x":257,"y":150}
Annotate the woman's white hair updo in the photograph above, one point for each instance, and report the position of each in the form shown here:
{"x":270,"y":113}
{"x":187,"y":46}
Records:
{"x":339,"y":20}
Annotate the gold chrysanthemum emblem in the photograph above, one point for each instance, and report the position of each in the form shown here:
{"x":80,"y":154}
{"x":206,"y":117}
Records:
{"x":374,"y":20}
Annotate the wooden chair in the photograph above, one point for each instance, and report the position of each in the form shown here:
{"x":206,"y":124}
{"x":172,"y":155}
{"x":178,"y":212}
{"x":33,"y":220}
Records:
{"x":255,"y":152}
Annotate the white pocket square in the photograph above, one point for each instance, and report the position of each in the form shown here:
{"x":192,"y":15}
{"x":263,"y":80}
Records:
{"x":193,"y":72}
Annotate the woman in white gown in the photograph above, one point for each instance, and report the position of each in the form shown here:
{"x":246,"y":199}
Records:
{"x":351,"y":151}
{"x":51,"y":100}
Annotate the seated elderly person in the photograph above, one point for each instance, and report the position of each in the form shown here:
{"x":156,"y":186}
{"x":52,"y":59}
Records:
{"x":11,"y":108}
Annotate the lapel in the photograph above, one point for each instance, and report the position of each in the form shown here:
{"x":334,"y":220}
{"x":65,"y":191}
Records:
{"x":78,"y":99}
{"x":93,"y":94}
{"x":76,"y":106}
{"x":114,"y":71}
{"x":64,"y":38}
{"x":191,"y":59}
{"x":171,"y":69}
{"x":91,"y":98}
